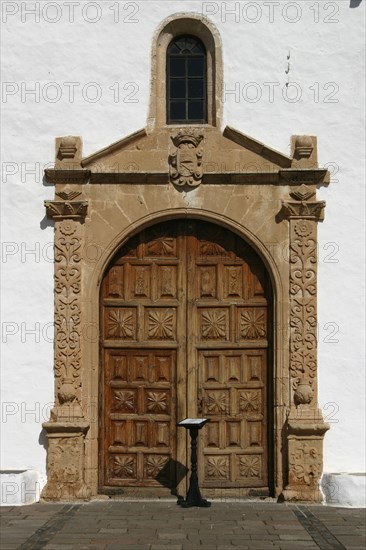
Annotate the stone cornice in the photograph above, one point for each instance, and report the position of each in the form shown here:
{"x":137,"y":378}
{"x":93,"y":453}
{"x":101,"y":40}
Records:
{"x":70,"y":175}
{"x":66,"y":427}
{"x":60,"y":210}
{"x":305,"y":175}
{"x":311,"y":428}
{"x":280,"y":177}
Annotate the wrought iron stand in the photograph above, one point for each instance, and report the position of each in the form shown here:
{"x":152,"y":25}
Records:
{"x":194,"y":497}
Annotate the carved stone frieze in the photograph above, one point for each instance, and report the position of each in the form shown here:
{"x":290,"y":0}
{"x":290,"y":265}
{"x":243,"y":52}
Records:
{"x":185,"y":164}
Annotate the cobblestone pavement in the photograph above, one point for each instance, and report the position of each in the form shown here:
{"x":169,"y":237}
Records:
{"x":162,"y":525}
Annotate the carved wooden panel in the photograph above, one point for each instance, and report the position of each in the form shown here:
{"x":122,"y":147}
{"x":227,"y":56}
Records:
{"x":236,"y":405}
{"x":139,"y":420}
{"x":184,"y":316}
{"x":228,"y":305}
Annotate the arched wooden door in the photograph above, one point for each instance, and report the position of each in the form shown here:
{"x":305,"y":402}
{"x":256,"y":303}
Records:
{"x":185,"y":322}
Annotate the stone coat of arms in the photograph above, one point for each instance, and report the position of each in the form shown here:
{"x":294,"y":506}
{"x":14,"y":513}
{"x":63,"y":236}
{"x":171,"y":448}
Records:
{"x":185,"y":164}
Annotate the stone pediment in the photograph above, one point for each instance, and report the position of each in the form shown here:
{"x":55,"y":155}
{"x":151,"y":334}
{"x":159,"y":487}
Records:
{"x":187,"y":156}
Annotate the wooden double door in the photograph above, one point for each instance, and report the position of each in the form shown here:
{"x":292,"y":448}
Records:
{"x":185,"y":324}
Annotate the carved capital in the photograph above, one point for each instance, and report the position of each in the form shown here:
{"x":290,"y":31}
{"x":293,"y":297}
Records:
{"x":60,"y":210}
{"x":304,"y":209}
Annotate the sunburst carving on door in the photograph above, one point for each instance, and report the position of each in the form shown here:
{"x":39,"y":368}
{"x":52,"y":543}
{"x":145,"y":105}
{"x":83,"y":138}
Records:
{"x":249,"y":466}
{"x":161,"y":324}
{"x":217,"y":467}
{"x":124,"y":466}
{"x":253,"y":324}
{"x":121,"y":324}
{"x":157,"y":401}
{"x":125,"y":400}
{"x":213,"y":324}
{"x":155,"y":464}
{"x":250,"y":401}
{"x":217,"y":402}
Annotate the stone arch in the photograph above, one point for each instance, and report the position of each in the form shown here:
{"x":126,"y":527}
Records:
{"x":279,"y":362}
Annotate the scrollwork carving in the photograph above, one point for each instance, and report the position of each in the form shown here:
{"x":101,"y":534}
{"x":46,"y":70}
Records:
{"x":67,"y":309}
{"x":303,"y":318}
{"x":305,"y":463}
{"x":303,"y":215}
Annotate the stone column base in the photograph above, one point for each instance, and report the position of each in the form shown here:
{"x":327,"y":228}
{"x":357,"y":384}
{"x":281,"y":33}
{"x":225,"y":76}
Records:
{"x":305,"y":458}
{"x":65,"y":462}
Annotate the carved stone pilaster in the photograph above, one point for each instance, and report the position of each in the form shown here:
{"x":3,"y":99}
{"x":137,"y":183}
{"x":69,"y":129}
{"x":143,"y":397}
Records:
{"x":67,"y":428}
{"x":305,"y":425}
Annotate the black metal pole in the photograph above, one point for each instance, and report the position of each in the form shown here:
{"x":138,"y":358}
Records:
{"x":194,"y":497}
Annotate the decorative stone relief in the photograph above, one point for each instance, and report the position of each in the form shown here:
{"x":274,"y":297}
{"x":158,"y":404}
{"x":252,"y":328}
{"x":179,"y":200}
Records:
{"x":66,"y":209}
{"x":65,"y":461}
{"x":185,"y":164}
{"x":67,"y":428}
{"x":303,"y":290}
{"x":305,"y":463}
{"x":304,"y":441}
{"x":67,"y":309}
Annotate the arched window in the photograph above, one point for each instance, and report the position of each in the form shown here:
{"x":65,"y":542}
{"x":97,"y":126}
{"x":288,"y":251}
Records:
{"x":186,"y":81}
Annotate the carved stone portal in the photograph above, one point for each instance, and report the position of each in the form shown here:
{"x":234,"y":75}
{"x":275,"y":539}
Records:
{"x":266,"y":198}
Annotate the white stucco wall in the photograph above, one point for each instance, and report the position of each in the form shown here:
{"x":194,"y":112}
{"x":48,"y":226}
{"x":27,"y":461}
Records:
{"x":315,"y":47}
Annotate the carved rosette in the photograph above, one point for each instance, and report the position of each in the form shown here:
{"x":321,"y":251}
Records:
{"x":185,"y":163}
